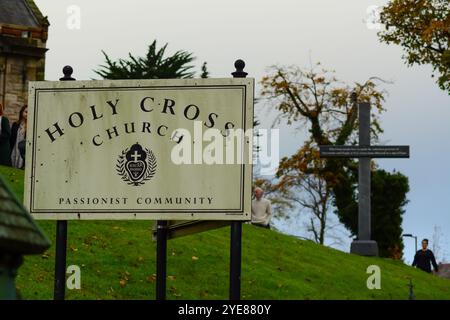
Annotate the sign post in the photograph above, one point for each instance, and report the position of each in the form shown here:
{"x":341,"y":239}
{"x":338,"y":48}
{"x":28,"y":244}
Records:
{"x":236,"y":226}
{"x":161,"y":259}
{"x":364,"y":245}
{"x":60,"y":260}
{"x":61,"y":233}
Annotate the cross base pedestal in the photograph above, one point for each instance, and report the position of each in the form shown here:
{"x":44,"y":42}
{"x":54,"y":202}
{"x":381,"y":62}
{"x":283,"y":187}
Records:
{"x":367,"y":248}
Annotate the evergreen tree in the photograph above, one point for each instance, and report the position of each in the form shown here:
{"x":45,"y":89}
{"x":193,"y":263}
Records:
{"x":155,"y":65}
{"x":388,"y":198}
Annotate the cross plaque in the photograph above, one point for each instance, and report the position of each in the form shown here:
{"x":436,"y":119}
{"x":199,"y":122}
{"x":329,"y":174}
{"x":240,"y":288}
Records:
{"x":364,"y":152}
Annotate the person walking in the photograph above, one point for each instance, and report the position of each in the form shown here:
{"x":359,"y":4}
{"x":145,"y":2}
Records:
{"x":5,"y":134}
{"x":261,"y":210}
{"x":18,"y":135}
{"x":424,"y":258}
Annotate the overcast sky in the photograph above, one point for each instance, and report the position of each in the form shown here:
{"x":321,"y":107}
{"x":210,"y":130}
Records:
{"x":265,"y":33}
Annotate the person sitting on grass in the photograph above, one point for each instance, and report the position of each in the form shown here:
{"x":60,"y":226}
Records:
{"x":261,"y":210}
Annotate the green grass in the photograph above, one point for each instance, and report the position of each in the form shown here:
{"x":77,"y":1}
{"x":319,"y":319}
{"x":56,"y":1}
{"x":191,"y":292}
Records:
{"x":274,"y":266}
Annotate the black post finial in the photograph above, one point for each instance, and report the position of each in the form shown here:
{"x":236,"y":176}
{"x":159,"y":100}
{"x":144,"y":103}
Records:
{"x":239,"y":73}
{"x":67,"y":70}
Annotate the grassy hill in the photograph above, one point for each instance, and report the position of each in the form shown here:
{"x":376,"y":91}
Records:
{"x":117,"y":261}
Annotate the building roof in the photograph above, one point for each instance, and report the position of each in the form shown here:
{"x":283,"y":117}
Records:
{"x":21,"y":13}
{"x":19,"y":234}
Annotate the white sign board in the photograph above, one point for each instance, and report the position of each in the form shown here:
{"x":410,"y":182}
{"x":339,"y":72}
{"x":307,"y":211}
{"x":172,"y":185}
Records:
{"x":140,"y":149}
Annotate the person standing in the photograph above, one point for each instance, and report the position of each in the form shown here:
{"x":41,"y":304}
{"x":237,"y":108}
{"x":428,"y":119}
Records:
{"x":18,"y":135}
{"x":424,"y":258}
{"x":5,"y":134}
{"x":261,"y":210}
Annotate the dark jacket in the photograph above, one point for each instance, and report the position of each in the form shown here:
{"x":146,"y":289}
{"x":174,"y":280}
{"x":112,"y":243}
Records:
{"x":14,"y":130}
{"x":5,"y":148}
{"x":22,"y":148}
{"x":424,"y":259}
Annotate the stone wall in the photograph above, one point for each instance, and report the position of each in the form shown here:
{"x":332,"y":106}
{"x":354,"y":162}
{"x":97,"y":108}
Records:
{"x":15,"y":73}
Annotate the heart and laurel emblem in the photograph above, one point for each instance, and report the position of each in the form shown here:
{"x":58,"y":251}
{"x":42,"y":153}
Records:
{"x":136,"y":165}
{"x":136,"y":169}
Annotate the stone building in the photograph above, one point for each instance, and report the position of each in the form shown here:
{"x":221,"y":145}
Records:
{"x":23,"y":36}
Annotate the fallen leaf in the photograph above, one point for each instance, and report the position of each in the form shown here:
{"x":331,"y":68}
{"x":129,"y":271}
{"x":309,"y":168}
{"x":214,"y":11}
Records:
{"x":194,"y":258}
{"x":174,"y":291}
{"x":123,"y":283}
{"x":171,"y":278}
{"x":204,"y":293}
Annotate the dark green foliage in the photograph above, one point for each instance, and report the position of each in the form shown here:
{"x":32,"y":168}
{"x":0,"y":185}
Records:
{"x":155,"y":65}
{"x":388,"y":200}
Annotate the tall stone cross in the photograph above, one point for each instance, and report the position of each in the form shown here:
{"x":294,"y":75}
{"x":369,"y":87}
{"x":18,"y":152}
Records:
{"x":364,"y":152}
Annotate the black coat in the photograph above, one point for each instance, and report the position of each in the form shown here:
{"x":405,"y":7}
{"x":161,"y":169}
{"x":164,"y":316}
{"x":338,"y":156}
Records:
{"x":14,"y":130}
{"x":22,"y":148}
{"x":424,"y":259}
{"x":5,"y":147}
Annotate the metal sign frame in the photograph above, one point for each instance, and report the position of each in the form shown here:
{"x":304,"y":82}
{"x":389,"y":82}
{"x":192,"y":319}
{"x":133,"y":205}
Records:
{"x":236,"y":206}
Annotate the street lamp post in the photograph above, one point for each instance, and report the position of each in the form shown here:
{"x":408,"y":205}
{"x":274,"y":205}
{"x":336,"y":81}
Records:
{"x":409,"y":235}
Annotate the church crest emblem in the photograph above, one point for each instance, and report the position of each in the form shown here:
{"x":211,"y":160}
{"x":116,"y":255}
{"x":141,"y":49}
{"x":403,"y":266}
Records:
{"x":136,"y":165}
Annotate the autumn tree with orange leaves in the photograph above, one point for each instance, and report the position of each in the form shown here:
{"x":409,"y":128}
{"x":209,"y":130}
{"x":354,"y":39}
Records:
{"x":422,"y":29}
